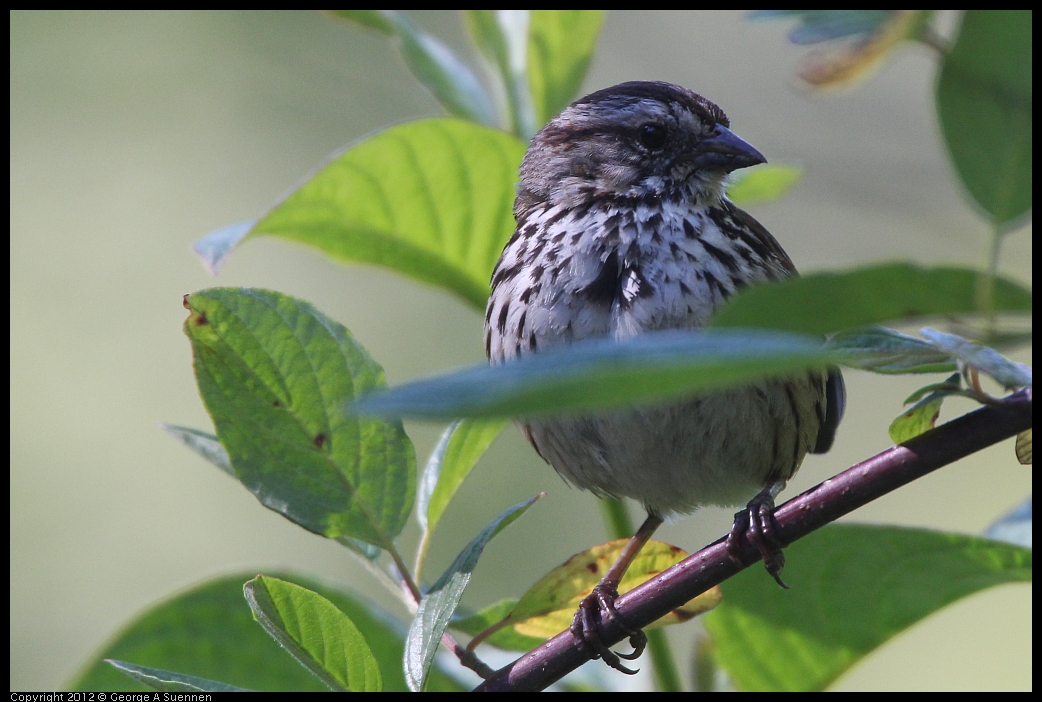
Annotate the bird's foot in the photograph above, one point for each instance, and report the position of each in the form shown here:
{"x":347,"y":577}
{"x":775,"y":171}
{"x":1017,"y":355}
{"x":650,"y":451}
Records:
{"x":757,"y":522}
{"x":598,"y":607}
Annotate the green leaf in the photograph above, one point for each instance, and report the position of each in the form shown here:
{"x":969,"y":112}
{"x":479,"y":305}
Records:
{"x":987,"y":360}
{"x":448,"y":77}
{"x":823,"y":303}
{"x":430,"y":199}
{"x":951,"y":385}
{"x":763,"y":184}
{"x":857,"y":41}
{"x":276,"y":376}
{"x":881,"y":350}
{"x":918,"y":419}
{"x":166,"y":681}
{"x":922,"y":416}
{"x":311,"y":628}
{"x":505,"y":638}
{"x":604,"y":373}
{"x":440,"y":602}
{"x":839,"y":608}
{"x":209,"y":632}
{"x":502,"y":38}
{"x":206,"y":445}
{"x":984,"y":101}
{"x":560,"y":47}
{"x":458,"y":451}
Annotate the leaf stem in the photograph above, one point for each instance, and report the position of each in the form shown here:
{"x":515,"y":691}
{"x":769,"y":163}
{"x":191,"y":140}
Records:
{"x":986,"y":284}
{"x":421,"y":554}
{"x":404,"y":576}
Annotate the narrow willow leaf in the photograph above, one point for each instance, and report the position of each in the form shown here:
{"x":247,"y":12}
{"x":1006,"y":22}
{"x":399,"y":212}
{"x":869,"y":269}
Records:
{"x":166,"y":681}
{"x":430,"y":199}
{"x":276,"y":376}
{"x":440,"y":602}
{"x":447,"y":76}
{"x":547,"y":608}
{"x":823,"y":303}
{"x":560,"y":46}
{"x":502,"y":37}
{"x":763,"y":184}
{"x":458,"y":451}
{"x":839,"y":609}
{"x":883,"y":350}
{"x":987,"y":360}
{"x":311,"y":628}
{"x":209,"y":632}
{"x":206,"y":445}
{"x":1024,"y":447}
{"x":1015,"y":526}
{"x":604,"y":373}
{"x":984,"y":101}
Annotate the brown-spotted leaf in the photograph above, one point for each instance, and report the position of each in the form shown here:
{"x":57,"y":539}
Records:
{"x":548,"y":606}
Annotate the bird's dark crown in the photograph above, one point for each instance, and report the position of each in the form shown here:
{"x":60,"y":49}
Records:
{"x":661,"y":91}
{"x":642,"y":139}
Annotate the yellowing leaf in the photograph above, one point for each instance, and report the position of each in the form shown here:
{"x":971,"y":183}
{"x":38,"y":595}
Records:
{"x":1023,"y":447}
{"x":850,"y":62}
{"x":549,"y":605}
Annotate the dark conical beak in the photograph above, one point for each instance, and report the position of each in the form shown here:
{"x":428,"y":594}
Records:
{"x":725,"y":151}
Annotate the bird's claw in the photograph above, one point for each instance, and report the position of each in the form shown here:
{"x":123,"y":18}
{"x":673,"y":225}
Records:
{"x":596,"y":607}
{"x":757,"y":520}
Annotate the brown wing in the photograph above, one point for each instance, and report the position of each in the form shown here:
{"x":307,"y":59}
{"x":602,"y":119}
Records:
{"x":835,"y":403}
{"x":756,"y":236}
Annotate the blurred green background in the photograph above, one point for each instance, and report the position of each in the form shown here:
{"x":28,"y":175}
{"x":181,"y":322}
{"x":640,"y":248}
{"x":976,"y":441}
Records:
{"x":134,"y":134}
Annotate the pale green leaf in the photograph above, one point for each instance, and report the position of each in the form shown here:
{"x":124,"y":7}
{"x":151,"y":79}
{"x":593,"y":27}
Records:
{"x":502,"y":38}
{"x":458,"y":451}
{"x":560,"y":47}
{"x":763,"y":184}
{"x":1007,"y":373}
{"x":604,"y":373}
{"x":431,"y":199}
{"x":440,"y":602}
{"x":883,"y":350}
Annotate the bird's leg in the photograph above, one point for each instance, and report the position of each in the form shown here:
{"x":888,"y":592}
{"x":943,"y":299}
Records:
{"x":759,"y":515}
{"x":599,"y":605}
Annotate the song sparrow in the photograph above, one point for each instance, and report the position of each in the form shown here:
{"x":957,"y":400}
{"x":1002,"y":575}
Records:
{"x":623,"y":227}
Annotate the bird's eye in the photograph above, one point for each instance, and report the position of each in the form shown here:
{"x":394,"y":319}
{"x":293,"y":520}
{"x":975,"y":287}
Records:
{"x":653,"y":136}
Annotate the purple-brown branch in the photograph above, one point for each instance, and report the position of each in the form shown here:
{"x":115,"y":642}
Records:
{"x":796,"y":518}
